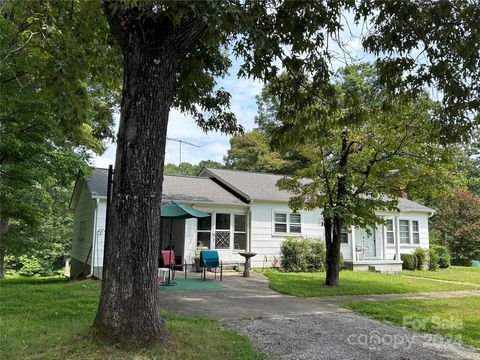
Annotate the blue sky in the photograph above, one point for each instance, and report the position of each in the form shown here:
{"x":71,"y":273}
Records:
{"x":214,"y":145}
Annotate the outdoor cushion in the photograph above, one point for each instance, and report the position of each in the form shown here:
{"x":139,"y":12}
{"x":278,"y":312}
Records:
{"x":209,"y":258}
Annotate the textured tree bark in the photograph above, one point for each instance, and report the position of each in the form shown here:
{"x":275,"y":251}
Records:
{"x":336,"y":223}
{"x":332,"y":241}
{"x":129,"y":304}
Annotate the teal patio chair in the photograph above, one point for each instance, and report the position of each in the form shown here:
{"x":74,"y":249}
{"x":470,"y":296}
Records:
{"x":210,"y":259}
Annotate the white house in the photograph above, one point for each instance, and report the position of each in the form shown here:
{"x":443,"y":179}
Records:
{"x":248,"y":212}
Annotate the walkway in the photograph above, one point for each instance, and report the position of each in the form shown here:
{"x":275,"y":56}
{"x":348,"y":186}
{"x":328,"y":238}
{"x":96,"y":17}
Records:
{"x":288,"y":327}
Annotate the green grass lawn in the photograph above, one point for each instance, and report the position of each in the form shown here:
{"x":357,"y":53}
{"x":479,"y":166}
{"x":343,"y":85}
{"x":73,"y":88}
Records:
{"x":440,"y":316}
{"x":49,"y":318}
{"x":453,"y":273}
{"x":355,"y":283}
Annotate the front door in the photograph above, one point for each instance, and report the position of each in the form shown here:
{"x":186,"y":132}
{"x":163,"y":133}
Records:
{"x":368,"y":244}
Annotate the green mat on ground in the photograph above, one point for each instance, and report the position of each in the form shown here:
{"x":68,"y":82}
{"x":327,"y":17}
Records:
{"x":192,"y":284}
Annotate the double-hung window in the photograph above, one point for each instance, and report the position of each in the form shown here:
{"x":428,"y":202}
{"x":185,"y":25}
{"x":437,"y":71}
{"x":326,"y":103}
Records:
{"x":285,"y":223}
{"x":415,"y":232}
{"x":344,"y":237}
{"x":281,"y":223}
{"x":240,"y":232}
{"x":295,"y":224}
{"x":390,"y":231}
{"x":404,"y":231}
{"x":204,"y":230}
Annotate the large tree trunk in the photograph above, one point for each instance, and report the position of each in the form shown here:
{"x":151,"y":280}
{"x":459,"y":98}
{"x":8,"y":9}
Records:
{"x":129,"y":304}
{"x":334,"y":225}
{"x":332,"y":237}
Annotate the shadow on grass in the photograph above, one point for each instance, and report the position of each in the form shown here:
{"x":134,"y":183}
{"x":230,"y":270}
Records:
{"x":33,"y":280}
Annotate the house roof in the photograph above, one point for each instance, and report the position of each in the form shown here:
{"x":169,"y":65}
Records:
{"x":221,"y":186}
{"x":180,"y":188}
{"x":262,"y":186}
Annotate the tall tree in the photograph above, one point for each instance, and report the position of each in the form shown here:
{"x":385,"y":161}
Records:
{"x":57,"y":89}
{"x":364,"y":147}
{"x":456,"y":224}
{"x":173,"y":50}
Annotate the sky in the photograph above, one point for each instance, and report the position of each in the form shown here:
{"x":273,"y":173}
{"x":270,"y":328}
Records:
{"x":214,"y":145}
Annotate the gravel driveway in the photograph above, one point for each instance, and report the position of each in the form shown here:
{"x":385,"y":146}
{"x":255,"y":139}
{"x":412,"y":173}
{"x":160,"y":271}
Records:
{"x":288,"y":327}
{"x":345,"y":336}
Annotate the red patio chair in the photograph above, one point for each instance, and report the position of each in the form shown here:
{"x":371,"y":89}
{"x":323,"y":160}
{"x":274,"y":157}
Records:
{"x":168,"y":259}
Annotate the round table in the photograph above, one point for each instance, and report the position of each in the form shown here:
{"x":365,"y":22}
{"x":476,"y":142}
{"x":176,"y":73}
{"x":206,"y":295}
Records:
{"x":247,"y":255}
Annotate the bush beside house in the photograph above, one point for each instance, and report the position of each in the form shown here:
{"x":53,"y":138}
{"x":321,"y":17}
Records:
{"x":409,"y":261}
{"x":303,"y":255}
{"x":443,"y":255}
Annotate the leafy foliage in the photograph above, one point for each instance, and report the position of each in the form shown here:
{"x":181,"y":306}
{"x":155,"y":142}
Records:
{"x":58,"y":90}
{"x":190,"y":169}
{"x":302,"y":254}
{"x":443,"y":255}
{"x":409,"y":261}
{"x":456,"y":225}
{"x":422,"y":256}
{"x":433,"y":260}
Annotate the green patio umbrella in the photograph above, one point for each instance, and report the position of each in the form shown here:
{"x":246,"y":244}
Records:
{"x":173,"y":210}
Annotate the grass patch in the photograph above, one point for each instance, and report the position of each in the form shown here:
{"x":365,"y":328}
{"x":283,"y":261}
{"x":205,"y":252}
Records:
{"x":432,"y":312}
{"x":355,"y":283}
{"x":453,"y":273}
{"x":50,"y":319}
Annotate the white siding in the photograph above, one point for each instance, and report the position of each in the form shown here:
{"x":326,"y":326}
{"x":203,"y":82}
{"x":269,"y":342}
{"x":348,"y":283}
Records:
{"x":83,"y":226}
{"x":422,"y":219}
{"x":263,"y":239}
{"x":100,"y":233}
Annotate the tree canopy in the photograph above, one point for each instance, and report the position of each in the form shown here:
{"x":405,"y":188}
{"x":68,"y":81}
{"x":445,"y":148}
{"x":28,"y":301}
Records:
{"x":59,"y":80}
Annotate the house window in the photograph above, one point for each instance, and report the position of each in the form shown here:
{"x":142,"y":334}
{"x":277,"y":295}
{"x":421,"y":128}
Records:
{"x":222,"y":231}
{"x":390,"y":232}
{"x":204,"y":229}
{"x":295,"y":224}
{"x":404,"y":231}
{"x":240,"y":233}
{"x":285,"y":223}
{"x":280,"y":223}
{"x":344,"y":237}
{"x":415,"y":232}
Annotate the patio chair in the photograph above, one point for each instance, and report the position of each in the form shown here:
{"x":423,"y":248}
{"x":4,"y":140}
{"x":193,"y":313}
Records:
{"x":210,"y":259}
{"x":168,"y":261}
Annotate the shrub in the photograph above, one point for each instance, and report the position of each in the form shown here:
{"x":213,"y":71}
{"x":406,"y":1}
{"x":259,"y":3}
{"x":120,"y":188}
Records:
{"x":433,"y":259}
{"x":443,"y":255}
{"x":302,"y":255}
{"x":409,"y":261}
{"x":421,"y":256}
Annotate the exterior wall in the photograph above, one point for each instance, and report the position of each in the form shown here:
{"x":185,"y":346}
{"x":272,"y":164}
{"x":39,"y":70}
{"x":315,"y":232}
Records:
{"x":265,"y":242}
{"x":422,"y":219}
{"x":261,"y":237}
{"x":99,"y":238}
{"x":226,"y":255}
{"x":82,"y":231}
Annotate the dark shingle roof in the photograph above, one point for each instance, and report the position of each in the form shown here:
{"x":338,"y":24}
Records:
{"x":262,"y":186}
{"x":180,"y":188}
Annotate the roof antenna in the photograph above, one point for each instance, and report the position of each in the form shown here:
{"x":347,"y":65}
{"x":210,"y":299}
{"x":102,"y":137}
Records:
{"x":180,"y":142}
